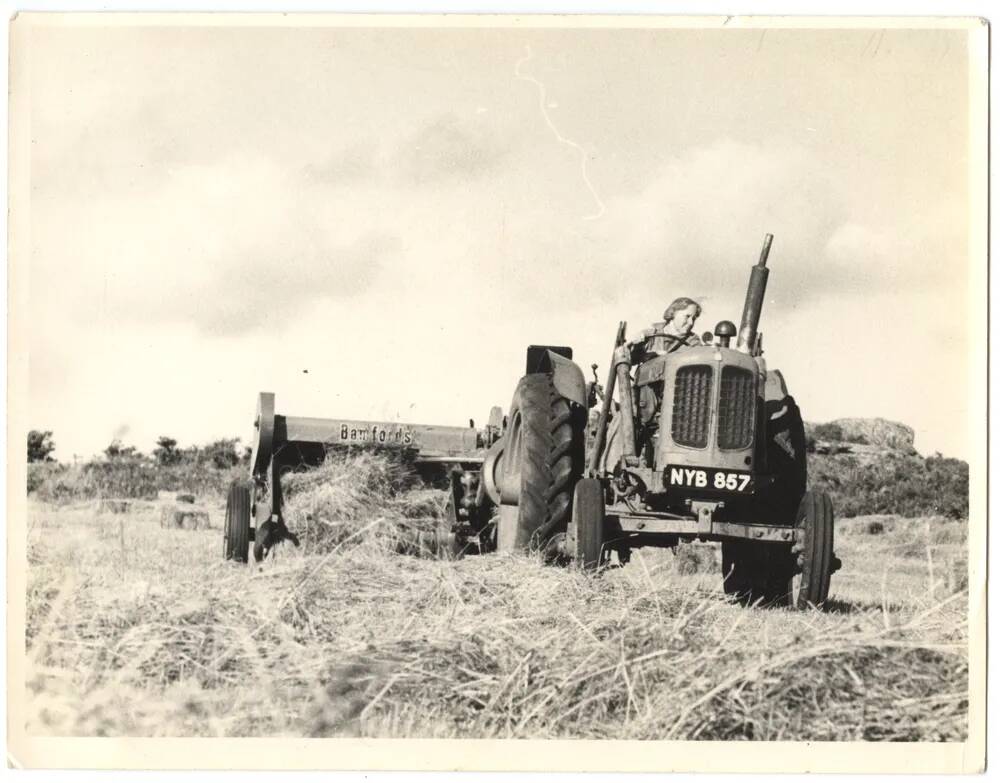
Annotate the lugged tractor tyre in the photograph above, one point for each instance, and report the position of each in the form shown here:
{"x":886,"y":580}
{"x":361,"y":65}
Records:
{"x":586,"y":533}
{"x":542,"y":460}
{"x":811,"y":587}
{"x":236,"y":533}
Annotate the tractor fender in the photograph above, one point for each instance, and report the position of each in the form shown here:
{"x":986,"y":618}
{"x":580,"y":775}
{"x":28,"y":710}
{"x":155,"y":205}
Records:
{"x":774,"y":386}
{"x":775,"y":395}
{"x":567,"y":377}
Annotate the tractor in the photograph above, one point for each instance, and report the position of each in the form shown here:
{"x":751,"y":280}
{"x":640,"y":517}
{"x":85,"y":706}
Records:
{"x":703,"y":443}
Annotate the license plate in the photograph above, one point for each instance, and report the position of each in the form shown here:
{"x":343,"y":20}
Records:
{"x":709,"y":478}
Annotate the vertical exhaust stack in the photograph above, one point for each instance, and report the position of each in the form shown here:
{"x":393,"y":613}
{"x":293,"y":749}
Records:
{"x":755,"y":300}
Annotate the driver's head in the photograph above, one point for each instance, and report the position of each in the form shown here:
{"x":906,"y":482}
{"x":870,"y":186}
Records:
{"x":680,"y":316}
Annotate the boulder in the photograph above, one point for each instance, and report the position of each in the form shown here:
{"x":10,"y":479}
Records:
{"x":880,"y":434}
{"x":877,"y":432}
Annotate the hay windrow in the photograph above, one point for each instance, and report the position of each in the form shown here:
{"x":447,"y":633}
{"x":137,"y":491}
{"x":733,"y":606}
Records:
{"x":339,"y":500}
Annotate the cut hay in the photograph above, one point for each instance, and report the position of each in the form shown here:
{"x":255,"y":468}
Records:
{"x":363,"y":495}
{"x":153,"y":635}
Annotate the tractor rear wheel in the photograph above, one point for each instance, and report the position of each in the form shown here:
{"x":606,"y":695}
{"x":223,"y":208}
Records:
{"x":236,"y":534}
{"x":585,"y":536}
{"x":541,"y":463}
{"x":816,"y":562}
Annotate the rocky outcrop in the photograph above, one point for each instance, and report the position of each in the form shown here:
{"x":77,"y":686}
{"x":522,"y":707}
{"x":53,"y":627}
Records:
{"x":860,"y":436}
{"x":869,"y":466}
{"x":877,"y":432}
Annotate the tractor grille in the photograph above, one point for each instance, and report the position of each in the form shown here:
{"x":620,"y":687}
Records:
{"x":692,"y":405}
{"x":737,"y":396}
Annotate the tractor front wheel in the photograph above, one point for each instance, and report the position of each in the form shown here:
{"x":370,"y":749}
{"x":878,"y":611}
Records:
{"x":816,"y":562}
{"x":236,"y":534}
{"x":779,"y":575}
{"x":585,"y":537}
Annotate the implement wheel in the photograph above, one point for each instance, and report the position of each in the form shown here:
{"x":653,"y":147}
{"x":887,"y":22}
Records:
{"x":816,"y":562}
{"x":541,"y":464}
{"x":236,"y":533}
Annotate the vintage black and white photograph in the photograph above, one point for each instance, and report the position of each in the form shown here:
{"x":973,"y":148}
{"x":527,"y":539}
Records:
{"x":498,"y":378}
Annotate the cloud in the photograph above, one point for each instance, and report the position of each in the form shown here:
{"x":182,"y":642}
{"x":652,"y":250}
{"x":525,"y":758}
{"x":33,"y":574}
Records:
{"x":448,"y":147}
{"x":344,"y":165}
{"x":908,"y":255}
{"x":225,"y":247}
{"x":243,"y":243}
{"x":275,"y":292}
{"x":698,"y":222}
{"x":694,"y":226}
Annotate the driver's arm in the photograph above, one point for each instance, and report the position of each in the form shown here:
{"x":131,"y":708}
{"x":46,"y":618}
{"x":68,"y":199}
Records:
{"x":644,"y":335}
{"x":637,"y":344}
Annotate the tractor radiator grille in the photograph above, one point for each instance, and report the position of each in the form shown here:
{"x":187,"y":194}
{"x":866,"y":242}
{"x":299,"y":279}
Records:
{"x":692,"y":405}
{"x":737,"y":398}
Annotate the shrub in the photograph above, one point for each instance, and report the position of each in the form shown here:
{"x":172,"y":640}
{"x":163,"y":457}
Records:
{"x":895,"y":484}
{"x":166,"y":452}
{"x":55,"y":483}
{"x":117,"y":450}
{"x":37,"y":476}
{"x":125,"y":477}
{"x":40,"y":446}
{"x":201,"y":479}
{"x":223,"y":453}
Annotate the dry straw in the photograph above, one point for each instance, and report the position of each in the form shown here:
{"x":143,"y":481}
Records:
{"x":347,"y":637}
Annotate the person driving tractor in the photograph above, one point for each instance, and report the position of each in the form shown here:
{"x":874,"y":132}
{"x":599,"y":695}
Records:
{"x":671,"y":334}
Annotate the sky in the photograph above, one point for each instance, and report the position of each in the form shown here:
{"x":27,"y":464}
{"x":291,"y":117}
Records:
{"x":375,"y":222}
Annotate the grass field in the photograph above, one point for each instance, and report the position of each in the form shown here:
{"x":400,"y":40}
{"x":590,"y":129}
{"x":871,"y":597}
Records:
{"x":134,"y":630}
